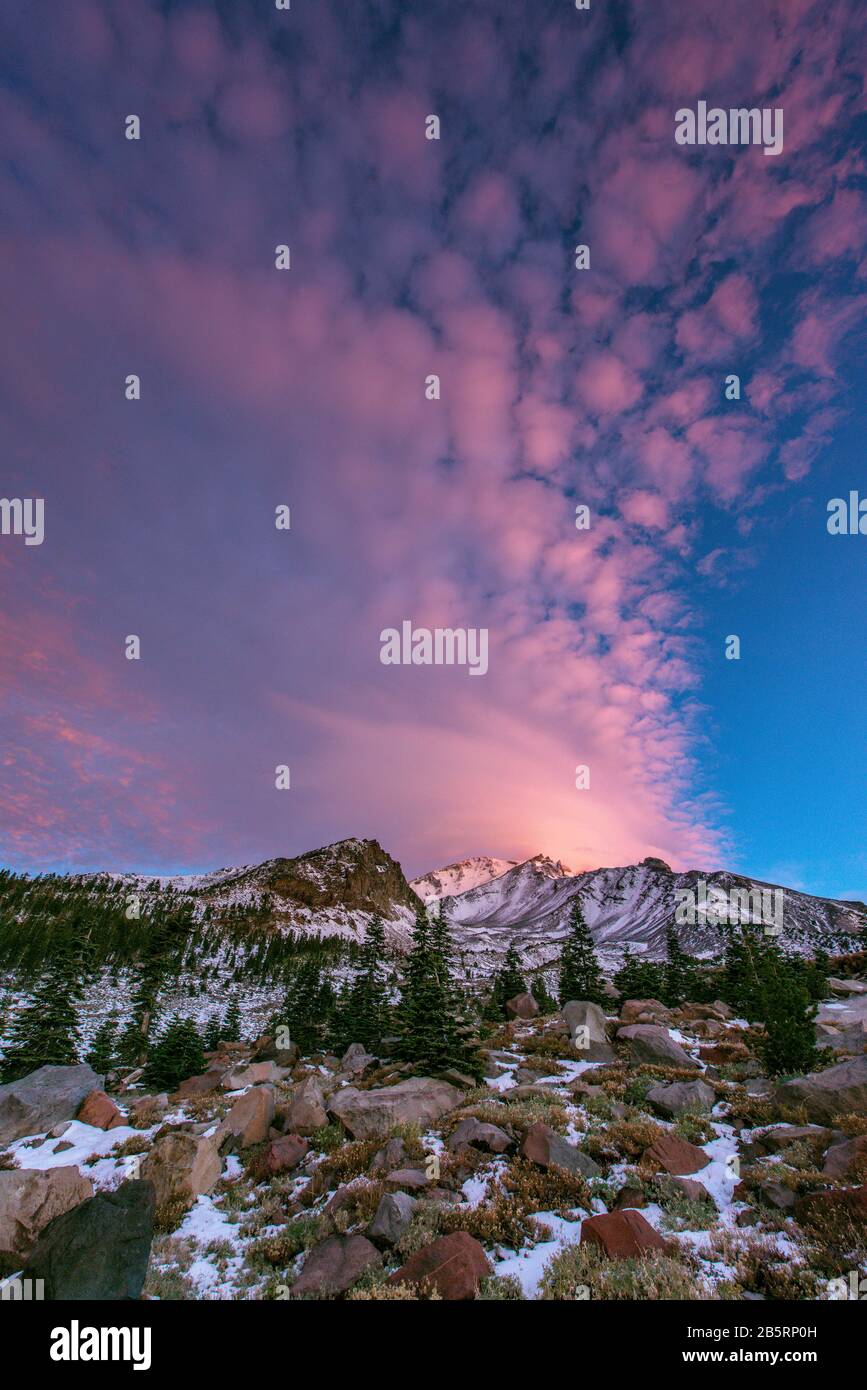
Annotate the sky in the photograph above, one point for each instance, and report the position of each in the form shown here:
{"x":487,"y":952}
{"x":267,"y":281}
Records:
{"x":305,"y":388}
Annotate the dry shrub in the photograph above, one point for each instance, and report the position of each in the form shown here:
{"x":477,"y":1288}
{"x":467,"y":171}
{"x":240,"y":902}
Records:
{"x":535,"y":1189}
{"x":584,"y":1271}
{"x":394,"y":1293}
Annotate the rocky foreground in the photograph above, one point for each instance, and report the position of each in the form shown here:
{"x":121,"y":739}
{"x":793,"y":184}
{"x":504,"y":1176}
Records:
{"x":642,"y":1156}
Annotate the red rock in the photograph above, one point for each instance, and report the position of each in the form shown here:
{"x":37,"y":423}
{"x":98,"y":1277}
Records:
{"x":454,"y":1265}
{"x":199,"y":1085}
{"x":630,"y":1197}
{"x":675,"y":1156}
{"x":621,"y":1234}
{"x":842,"y":1160}
{"x":851,"y":1202}
{"x":281,"y":1155}
{"x":334,"y":1265}
{"x":99,"y":1110}
{"x":522,"y":1006}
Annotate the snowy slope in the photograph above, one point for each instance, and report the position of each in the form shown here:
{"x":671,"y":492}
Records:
{"x":460,"y":877}
{"x":629,"y":906}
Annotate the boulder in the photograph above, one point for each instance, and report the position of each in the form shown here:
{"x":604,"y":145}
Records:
{"x":335,"y":1265}
{"x":844,"y":987}
{"x":99,"y":1249}
{"x":587,"y":1029}
{"x":280,"y":1156}
{"x":393,"y":1215}
{"x":840,"y":1090}
{"x":367,"y":1114}
{"x":253,"y":1074}
{"x":845,"y":1160}
{"x":472,"y":1133}
{"x":648,"y":1043}
{"x":454,"y":1266}
{"x":695,"y":1191}
{"x":266,"y":1049}
{"x":356,"y":1059}
{"x":774,"y":1141}
{"x":459,"y":1078}
{"x":621,"y":1234}
{"x":202,"y":1085}
{"x":717,"y":1012}
{"x":99,"y":1111}
{"x":682,"y":1097}
{"x":522,"y":1006}
{"x":644,"y":1011}
{"x":30,"y":1198}
{"x":675,"y":1156}
{"x":415,"y":1179}
{"x":306,"y":1109}
{"x":181,"y":1167}
{"x":392,"y":1155}
{"x":248,"y":1121}
{"x":547,"y":1149}
{"x":42,"y":1099}
{"x":630,"y":1197}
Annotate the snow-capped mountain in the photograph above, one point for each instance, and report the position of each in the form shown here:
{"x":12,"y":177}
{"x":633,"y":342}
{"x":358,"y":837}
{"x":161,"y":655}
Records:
{"x":334,"y":891}
{"x":632,"y":906}
{"x":461,"y":877}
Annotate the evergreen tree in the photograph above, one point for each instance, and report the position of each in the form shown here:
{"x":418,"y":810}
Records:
{"x":45,"y":1032}
{"x":432,"y":1019}
{"x":211,"y":1040}
{"x":639,"y":979}
{"x":178,"y":1054}
{"x":506,"y":983}
{"x":230,"y":1029}
{"x":307,"y":1007}
{"x":542,"y":995}
{"x":580,"y":973}
{"x":363,"y":1014}
{"x":788,"y":1015}
{"x":679,"y":973}
{"x":158,"y":963}
{"x":102,"y":1056}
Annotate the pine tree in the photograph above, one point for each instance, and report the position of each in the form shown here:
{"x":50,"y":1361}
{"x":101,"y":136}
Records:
{"x":542,"y":995}
{"x":211,"y":1040}
{"x":507,"y":982}
{"x":308,"y":1006}
{"x":364,"y":1013}
{"x":788,"y":1015}
{"x":433,"y":1017}
{"x":679,"y":972}
{"x":159,"y":961}
{"x":580,"y":973}
{"x":46,"y":1032}
{"x":230,"y":1030}
{"x":178,"y":1054}
{"x":102,"y":1056}
{"x":639,"y":979}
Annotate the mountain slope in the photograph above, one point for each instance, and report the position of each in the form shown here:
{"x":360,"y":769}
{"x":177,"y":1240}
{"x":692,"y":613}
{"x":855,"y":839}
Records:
{"x":460,"y":877}
{"x":629,"y":906}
